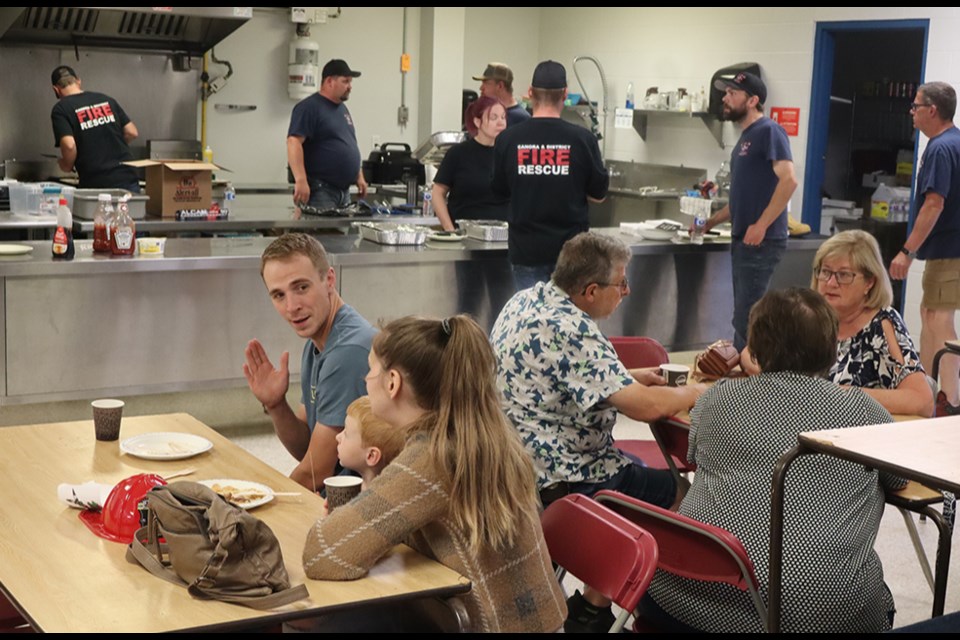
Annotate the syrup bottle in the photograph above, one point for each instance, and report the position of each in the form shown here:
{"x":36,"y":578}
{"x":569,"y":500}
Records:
{"x":123,"y":231}
{"x":63,"y":237}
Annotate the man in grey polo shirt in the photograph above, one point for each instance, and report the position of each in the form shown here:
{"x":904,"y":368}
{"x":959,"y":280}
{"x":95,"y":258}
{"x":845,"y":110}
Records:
{"x":303,"y":287}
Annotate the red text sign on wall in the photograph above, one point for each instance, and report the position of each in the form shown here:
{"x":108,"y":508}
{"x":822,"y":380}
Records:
{"x":788,"y":118}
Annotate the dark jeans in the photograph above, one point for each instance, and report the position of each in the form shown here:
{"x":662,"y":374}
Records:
{"x":752,"y":269}
{"x":655,"y":486}
{"x":527,"y":275}
{"x":324,"y":196}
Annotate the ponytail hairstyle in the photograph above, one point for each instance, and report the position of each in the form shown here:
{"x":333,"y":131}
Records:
{"x":450,"y":367}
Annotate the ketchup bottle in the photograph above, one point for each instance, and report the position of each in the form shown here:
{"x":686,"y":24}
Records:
{"x":122,"y":230}
{"x":101,"y":224}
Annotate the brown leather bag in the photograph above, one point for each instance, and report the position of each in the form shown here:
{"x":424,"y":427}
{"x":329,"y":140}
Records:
{"x":718,"y":360}
{"x":218,"y":551}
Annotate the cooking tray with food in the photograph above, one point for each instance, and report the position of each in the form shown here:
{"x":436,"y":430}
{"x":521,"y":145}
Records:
{"x":393,"y":233}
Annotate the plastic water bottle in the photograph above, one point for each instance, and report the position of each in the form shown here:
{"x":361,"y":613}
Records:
{"x":427,"y":209}
{"x":630,"y":101}
{"x":699,"y":228}
{"x":229,"y":198}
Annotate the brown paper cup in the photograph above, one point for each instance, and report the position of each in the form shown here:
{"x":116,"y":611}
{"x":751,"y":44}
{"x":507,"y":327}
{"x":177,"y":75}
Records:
{"x":675,"y":374}
{"x":341,"y":490}
{"x":106,"y":418}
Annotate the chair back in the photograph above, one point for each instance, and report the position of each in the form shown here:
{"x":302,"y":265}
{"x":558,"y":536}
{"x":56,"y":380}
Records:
{"x":674,"y":440}
{"x":604,"y":549}
{"x":639,"y":351}
{"x":689,"y":548}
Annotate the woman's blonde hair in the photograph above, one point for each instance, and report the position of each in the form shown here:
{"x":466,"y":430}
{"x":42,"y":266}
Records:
{"x":375,"y":432}
{"x":862,"y":250}
{"x":450,"y":367}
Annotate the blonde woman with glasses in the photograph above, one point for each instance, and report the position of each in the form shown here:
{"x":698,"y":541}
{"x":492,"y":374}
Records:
{"x":874,"y":348}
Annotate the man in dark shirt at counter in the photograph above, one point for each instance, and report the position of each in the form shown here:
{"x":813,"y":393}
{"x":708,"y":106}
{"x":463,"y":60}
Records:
{"x":93,"y":133}
{"x":761,"y":183}
{"x":322,"y":146}
{"x":548,"y":168}
{"x":303,"y":287}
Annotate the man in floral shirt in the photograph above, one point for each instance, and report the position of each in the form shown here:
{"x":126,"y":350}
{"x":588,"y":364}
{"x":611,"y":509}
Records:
{"x":563,"y":384}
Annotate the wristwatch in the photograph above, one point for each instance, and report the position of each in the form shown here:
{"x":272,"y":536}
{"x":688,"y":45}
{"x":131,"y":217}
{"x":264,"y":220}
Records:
{"x":910,"y":254}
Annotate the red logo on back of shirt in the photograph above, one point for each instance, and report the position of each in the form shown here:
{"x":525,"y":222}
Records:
{"x":543,"y":159}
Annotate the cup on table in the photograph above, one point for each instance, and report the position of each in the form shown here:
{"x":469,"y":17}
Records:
{"x":341,"y":490}
{"x":675,"y":374}
{"x":106,"y":418}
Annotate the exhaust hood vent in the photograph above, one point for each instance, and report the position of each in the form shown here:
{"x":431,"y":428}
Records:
{"x":192,"y":30}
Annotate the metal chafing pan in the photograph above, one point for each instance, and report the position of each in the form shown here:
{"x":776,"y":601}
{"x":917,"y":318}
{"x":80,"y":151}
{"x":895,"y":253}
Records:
{"x":392,"y":232}
{"x":486,"y":230}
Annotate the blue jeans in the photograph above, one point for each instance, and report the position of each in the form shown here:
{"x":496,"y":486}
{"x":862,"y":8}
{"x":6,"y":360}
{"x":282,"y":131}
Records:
{"x":324,"y":196}
{"x":527,"y":275}
{"x":752,"y":269}
{"x":656,"y":486}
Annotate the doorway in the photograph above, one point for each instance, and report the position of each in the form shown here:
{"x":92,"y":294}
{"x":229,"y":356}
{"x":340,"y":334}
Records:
{"x":864,"y":79}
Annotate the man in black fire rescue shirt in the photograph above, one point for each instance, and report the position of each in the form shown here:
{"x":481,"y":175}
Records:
{"x":548,"y":168}
{"x":92,"y":132}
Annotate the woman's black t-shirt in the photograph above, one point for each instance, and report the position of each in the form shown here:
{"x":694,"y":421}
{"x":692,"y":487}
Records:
{"x":467,"y":169}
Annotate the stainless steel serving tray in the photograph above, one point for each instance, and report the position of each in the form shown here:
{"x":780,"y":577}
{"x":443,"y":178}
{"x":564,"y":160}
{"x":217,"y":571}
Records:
{"x":432,"y":150}
{"x":486,"y":230}
{"x":392,"y":233}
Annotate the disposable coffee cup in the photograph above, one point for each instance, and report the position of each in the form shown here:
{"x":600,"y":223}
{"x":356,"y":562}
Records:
{"x":675,"y":374}
{"x":106,"y":418}
{"x":341,"y":490}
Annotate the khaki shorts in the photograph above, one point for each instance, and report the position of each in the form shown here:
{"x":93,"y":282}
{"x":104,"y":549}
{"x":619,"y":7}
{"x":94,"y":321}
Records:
{"x":941,"y":284}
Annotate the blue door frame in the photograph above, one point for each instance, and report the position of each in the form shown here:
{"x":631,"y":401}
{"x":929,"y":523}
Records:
{"x":818,"y":123}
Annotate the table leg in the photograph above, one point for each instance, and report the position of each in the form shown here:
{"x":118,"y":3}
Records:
{"x":774,"y":588}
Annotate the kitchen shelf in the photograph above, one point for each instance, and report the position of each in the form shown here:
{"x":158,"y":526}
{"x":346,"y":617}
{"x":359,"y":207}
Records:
{"x":712,"y":122}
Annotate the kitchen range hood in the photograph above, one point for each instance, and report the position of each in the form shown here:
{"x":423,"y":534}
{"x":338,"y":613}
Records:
{"x":191,"y":30}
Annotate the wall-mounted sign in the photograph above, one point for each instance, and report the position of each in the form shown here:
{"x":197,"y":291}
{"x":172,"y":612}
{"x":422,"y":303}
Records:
{"x":788,"y":118}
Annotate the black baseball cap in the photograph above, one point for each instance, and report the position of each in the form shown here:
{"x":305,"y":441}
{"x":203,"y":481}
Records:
{"x":549,"y":74}
{"x":61,"y":72}
{"x":337,"y":67}
{"x":744,"y":81}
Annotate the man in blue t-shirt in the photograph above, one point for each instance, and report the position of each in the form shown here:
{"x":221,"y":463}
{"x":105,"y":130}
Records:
{"x":761,"y":183}
{"x":935,"y":236}
{"x":322,"y":146}
{"x":303,"y":288}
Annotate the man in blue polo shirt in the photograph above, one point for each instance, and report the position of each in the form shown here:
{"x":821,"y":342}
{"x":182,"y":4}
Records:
{"x":303,"y":287}
{"x":322,"y":146}
{"x":761,"y":183}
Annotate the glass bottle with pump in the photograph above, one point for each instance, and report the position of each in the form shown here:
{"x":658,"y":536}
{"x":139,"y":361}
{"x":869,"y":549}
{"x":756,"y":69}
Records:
{"x":63,"y":237}
{"x":122,"y":230}
{"x":101,"y":224}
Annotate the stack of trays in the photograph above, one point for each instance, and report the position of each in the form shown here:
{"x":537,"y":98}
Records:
{"x":486,"y":230}
{"x":392,"y":232}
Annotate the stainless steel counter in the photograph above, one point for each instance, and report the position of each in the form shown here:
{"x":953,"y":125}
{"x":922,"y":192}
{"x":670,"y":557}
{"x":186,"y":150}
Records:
{"x":99,"y":325}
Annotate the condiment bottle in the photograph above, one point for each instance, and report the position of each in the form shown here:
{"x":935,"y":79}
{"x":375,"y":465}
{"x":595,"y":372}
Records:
{"x":63,"y":237}
{"x":101,"y":224}
{"x":122,"y":231}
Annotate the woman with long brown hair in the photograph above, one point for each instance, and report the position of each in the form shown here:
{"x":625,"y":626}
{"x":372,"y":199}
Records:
{"x":462,"y":491}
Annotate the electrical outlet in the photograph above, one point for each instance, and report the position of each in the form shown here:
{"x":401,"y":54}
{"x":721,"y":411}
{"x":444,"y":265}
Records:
{"x":403,"y":115}
{"x":375,"y":141}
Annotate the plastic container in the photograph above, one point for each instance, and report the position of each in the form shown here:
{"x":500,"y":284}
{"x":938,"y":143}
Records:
{"x":630,"y":102}
{"x":86,"y":202}
{"x":699,"y":228}
{"x":229,"y":198}
{"x":63,"y":247}
{"x":26,"y":197}
{"x":123,"y":231}
{"x":102,"y":220}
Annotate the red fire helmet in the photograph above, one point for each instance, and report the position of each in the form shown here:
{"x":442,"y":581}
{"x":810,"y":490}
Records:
{"x":119,"y":519}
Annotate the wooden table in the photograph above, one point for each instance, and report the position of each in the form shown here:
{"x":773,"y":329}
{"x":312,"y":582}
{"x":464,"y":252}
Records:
{"x":927,"y":451}
{"x":65,"y":579}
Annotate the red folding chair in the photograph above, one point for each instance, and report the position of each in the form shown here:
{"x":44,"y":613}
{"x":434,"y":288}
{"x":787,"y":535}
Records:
{"x":668,"y":449}
{"x":691,"y":549}
{"x":605,"y":550}
{"x":10,"y":619}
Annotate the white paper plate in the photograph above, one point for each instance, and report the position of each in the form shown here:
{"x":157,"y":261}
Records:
{"x":7,"y":249}
{"x":165,"y":446}
{"x":256,"y":494}
{"x":445,"y":237}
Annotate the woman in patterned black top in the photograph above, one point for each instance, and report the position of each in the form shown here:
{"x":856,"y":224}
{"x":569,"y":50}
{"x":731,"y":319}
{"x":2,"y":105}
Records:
{"x":832,"y":578}
{"x":875,"y":351}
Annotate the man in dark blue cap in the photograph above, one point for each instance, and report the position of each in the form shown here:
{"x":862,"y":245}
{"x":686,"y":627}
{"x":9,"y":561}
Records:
{"x":549,"y":169}
{"x":762,"y":181}
{"x":322,"y":146}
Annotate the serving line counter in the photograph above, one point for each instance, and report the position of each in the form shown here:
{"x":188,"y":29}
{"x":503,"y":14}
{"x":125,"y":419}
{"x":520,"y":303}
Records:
{"x":99,"y":326}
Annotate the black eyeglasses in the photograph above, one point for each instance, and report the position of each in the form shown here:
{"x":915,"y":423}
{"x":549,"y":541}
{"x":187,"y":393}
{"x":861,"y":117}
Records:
{"x":842,"y":277}
{"x":915,"y":106}
{"x":623,"y":286}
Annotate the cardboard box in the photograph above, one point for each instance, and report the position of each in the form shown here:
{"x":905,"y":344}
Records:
{"x":177,"y":185}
